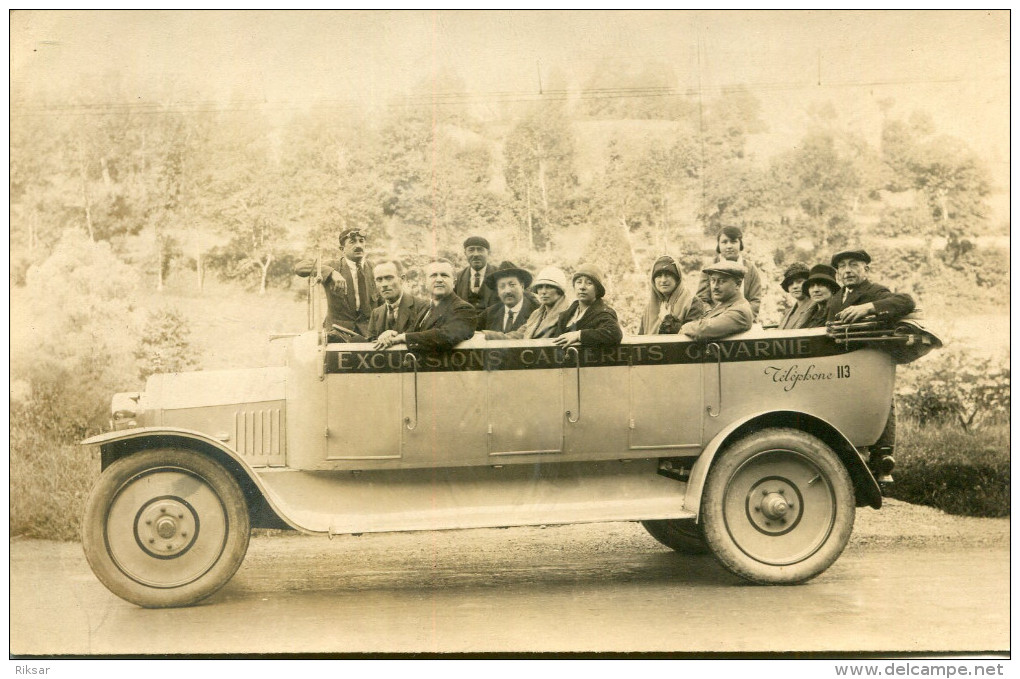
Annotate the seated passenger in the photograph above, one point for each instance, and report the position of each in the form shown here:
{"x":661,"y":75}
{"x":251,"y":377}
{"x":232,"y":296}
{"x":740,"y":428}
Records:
{"x":550,"y":287}
{"x":731,"y":313}
{"x":821,"y":285}
{"x":793,"y":285}
{"x":400,"y":308}
{"x":729,"y":244}
{"x":515,"y":303}
{"x":588,"y":320}
{"x":671,"y":304}
{"x":445,"y":322}
{"x":860,"y":299}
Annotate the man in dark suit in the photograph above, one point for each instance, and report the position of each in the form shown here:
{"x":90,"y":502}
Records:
{"x":350,"y":288}
{"x":470,"y":284}
{"x":515,"y":302}
{"x":447,"y":321}
{"x":400,"y":308}
{"x":860,"y":299}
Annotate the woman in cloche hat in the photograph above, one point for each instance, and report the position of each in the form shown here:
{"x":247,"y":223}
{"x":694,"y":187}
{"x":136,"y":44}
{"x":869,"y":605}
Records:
{"x":550,"y":287}
{"x":588,"y":320}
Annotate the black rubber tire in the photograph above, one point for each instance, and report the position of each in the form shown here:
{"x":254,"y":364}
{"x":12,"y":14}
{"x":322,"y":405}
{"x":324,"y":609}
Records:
{"x":207,"y":542}
{"x":681,"y":535}
{"x":742,"y":507}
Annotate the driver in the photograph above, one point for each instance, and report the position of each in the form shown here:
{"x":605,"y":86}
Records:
{"x":350,"y":288}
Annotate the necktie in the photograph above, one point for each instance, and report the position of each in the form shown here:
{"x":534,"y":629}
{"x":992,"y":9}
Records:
{"x":391,"y":316}
{"x":362,"y":300}
{"x":846,"y":293}
{"x":478,"y":282}
{"x":508,"y":323}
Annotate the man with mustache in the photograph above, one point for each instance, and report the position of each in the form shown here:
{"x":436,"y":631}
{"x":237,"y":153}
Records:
{"x":350,"y":288}
{"x":859,"y":300}
{"x":470,"y":284}
{"x":515,"y":302}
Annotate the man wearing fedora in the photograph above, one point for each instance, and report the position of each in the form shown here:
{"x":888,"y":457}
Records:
{"x":860,"y":299}
{"x":550,"y":288}
{"x":729,"y":246}
{"x":470,"y":284}
{"x":400,"y":308}
{"x":445,"y":322}
{"x":350,"y":288}
{"x":794,"y":285}
{"x":730,"y":313}
{"x":515,"y":303}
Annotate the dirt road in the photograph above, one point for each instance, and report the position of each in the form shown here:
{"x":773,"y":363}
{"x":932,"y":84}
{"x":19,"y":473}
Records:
{"x":912,"y":579}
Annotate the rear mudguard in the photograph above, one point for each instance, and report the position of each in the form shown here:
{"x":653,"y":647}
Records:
{"x":866,"y":489}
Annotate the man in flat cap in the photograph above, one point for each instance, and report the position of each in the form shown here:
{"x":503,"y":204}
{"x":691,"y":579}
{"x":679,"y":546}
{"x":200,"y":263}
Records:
{"x":860,"y":299}
{"x":730,"y":313}
{"x":470,"y":284}
{"x":729,"y":246}
{"x":515,"y":302}
{"x":350,"y":288}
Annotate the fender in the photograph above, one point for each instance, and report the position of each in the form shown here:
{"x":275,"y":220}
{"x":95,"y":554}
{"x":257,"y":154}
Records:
{"x":117,"y":444}
{"x":865,"y":487}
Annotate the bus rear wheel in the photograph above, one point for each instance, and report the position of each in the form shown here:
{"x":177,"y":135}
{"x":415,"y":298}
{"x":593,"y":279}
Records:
{"x":778,"y":507}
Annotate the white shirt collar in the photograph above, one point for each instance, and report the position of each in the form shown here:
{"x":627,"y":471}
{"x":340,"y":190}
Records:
{"x":517,"y":309}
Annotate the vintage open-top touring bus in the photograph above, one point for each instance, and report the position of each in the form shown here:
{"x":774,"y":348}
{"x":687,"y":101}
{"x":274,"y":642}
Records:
{"x":748,"y":447}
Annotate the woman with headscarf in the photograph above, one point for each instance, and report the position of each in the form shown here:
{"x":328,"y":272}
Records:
{"x":588,"y":320}
{"x":550,"y":287}
{"x":671,"y":304}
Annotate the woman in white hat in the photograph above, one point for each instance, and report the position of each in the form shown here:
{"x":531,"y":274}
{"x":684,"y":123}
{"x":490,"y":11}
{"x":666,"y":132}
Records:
{"x":550,"y":287}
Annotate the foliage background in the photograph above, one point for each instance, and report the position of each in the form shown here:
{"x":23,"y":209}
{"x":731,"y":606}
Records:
{"x":154,"y":222}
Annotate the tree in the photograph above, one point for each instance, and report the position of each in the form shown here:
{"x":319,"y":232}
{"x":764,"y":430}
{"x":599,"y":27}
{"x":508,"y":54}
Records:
{"x":244,"y":200}
{"x":952,"y":179}
{"x":538,"y":162}
{"x":164,"y":346}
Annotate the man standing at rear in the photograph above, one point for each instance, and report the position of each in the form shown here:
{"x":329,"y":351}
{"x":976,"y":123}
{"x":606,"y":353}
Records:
{"x":860,"y":300}
{"x":350,"y":288}
{"x":447,"y":321}
{"x":400,"y":308}
{"x":470,"y":284}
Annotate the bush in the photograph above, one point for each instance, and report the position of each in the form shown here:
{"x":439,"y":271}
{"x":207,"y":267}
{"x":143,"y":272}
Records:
{"x":67,"y":356}
{"x":956,"y":471}
{"x":164,"y":345}
{"x":954,"y":386}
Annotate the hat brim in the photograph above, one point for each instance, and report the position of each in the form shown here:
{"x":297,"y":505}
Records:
{"x":824,"y":280}
{"x":546,"y":281}
{"x":523,"y":276}
{"x":785,"y":285}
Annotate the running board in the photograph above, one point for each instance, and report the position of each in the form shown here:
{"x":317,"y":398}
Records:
{"x":474,"y":497}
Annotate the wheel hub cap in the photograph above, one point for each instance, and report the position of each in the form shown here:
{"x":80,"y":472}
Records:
{"x":166,"y":527}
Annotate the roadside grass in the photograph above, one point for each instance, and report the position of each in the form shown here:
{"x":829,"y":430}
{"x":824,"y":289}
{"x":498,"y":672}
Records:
{"x":959,"y":472}
{"x":49,"y":485}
